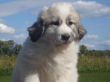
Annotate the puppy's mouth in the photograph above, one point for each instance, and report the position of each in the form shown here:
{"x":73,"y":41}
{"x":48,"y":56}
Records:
{"x":59,"y":43}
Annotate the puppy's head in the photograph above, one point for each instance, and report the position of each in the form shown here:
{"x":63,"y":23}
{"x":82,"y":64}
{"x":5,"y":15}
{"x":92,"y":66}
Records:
{"x":58,"y":23}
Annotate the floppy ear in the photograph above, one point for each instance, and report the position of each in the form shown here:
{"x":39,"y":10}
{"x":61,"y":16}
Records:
{"x":36,"y":31}
{"x":81,"y":32}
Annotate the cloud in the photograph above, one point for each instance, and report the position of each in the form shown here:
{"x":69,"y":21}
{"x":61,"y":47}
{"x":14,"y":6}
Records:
{"x":26,"y":22}
{"x":85,"y":8}
{"x":3,"y":39}
{"x":91,"y":8}
{"x":17,"y":6}
{"x":4,"y":29}
{"x":102,"y":45}
{"x":106,"y":43}
{"x":20,"y":36}
{"x":90,"y":46}
{"x":91,"y":36}
{"x":2,"y":21}
{"x":35,"y":13}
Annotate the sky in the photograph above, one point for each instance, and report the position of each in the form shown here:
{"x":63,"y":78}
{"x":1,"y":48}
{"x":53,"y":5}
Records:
{"x":17,"y":15}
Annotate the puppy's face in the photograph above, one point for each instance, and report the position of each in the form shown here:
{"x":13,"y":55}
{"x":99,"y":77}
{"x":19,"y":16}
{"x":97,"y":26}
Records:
{"x":59,"y":23}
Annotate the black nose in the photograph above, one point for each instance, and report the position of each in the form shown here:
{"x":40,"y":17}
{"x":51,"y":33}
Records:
{"x":65,"y":37}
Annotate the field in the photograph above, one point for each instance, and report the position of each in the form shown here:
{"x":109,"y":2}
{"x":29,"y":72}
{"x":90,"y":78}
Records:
{"x":5,"y":78}
{"x":84,"y":77}
{"x":94,"y":64}
{"x":95,"y":77}
{"x":91,"y":68}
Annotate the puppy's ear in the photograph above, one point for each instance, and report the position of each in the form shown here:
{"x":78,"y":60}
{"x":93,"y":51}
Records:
{"x":81,"y":32}
{"x":36,"y":31}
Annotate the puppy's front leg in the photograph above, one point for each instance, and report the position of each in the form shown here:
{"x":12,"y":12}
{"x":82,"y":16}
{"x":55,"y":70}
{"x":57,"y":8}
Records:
{"x":24,"y":76}
{"x":32,"y":78}
{"x":29,"y":78}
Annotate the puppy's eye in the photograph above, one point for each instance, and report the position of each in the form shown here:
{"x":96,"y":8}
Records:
{"x":55,"y":23}
{"x":70,"y":23}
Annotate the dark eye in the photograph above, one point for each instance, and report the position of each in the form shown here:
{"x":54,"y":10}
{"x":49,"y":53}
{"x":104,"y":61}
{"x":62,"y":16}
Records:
{"x":55,"y":23}
{"x":70,"y":23}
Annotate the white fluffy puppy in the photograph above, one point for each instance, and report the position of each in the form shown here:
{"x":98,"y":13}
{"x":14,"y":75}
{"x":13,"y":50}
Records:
{"x":50,"y":52}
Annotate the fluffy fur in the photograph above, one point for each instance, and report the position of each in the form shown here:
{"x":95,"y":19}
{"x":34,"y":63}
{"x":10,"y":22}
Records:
{"x":49,"y":54}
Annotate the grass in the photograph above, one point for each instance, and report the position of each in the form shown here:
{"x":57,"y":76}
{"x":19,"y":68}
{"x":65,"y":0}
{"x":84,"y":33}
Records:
{"x":95,"y":77}
{"x":94,"y":64}
{"x":84,"y":77}
{"x":5,"y":78}
{"x":91,"y":68}
{"x":85,"y":64}
{"x":6,"y":64}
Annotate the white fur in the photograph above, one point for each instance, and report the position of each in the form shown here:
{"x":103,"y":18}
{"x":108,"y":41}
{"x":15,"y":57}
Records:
{"x":43,"y":61}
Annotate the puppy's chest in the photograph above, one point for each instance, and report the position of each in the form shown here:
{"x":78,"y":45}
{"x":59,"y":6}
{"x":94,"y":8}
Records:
{"x":55,"y":62}
{"x":55,"y":70}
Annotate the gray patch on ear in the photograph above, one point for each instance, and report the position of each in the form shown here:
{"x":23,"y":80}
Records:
{"x":36,"y":31}
{"x":81,"y":32}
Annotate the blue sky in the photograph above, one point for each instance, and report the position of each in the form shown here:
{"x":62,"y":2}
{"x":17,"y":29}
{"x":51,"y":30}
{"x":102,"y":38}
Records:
{"x":17,"y":15}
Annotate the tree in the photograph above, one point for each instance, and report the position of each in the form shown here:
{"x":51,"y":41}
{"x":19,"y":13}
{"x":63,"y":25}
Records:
{"x":9,"y":48}
{"x":17,"y":48}
{"x":83,"y":50}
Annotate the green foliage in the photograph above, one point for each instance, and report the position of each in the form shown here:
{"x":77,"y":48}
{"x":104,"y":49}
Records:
{"x":9,"y":47}
{"x":83,"y":50}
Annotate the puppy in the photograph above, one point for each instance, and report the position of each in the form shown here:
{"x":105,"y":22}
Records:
{"x":50,"y":52}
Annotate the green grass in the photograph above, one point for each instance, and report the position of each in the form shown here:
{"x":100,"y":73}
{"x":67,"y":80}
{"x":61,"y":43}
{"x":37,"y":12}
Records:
{"x":94,"y":64}
{"x":85,"y":64}
{"x":94,"y":77}
{"x":5,"y":78}
{"x":6,"y":64}
{"x":84,"y":77}
{"x":91,"y":68}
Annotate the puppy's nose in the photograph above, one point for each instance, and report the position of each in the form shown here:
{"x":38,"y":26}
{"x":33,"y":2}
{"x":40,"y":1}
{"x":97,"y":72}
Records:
{"x":65,"y":37}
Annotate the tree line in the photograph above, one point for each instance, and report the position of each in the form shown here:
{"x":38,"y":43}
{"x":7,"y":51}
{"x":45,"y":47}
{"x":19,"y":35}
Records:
{"x":85,"y":52}
{"x":11,"y":48}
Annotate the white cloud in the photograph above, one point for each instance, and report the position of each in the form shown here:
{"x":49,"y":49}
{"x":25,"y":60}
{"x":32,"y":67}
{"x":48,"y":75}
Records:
{"x":91,"y":8}
{"x":90,"y":46}
{"x":3,"y":39}
{"x":4,"y":29}
{"x":26,"y":22}
{"x":105,"y":43}
{"x":35,"y":13}
{"x":19,"y":6}
{"x":2,"y":21}
{"x":85,"y":8}
{"x":91,"y":36}
{"x":20,"y":36}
